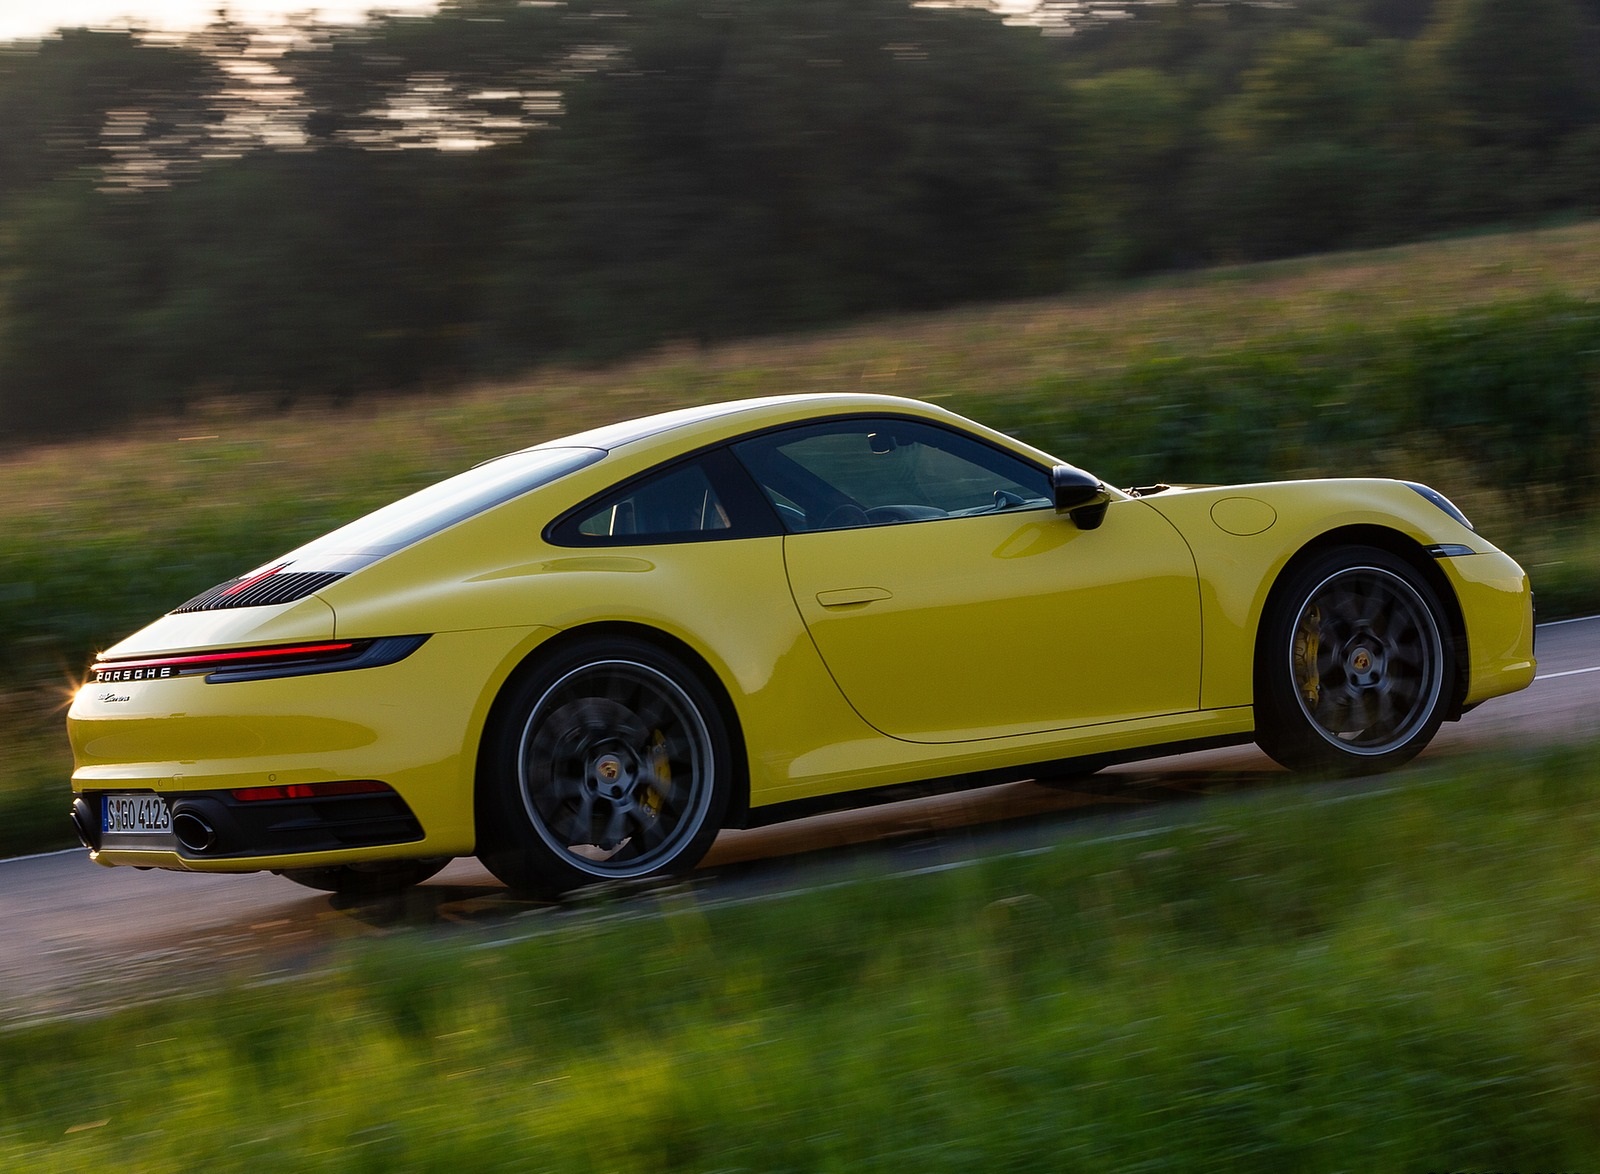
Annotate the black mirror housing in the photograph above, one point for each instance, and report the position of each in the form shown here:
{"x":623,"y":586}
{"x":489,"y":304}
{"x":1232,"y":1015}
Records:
{"x":1079,"y":494}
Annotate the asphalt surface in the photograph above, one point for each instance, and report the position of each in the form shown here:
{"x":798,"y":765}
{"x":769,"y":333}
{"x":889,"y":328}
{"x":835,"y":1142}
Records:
{"x":78,"y":939}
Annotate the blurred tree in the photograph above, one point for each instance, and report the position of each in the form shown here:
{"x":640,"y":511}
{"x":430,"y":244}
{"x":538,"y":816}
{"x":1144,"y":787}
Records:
{"x":1204,"y":44}
{"x":1312,"y":152}
{"x":1133,"y":142}
{"x":1393,"y":18}
{"x":67,"y":101}
{"x":1520,"y":77}
{"x":477,"y":71}
{"x":1522,"y":71}
{"x":316,"y":273}
{"x":750,"y":164}
{"x":503,"y":182}
{"x":79,"y":271}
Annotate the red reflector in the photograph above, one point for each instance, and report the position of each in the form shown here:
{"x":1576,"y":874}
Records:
{"x":312,"y":790}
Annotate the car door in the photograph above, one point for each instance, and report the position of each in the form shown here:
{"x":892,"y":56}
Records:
{"x":952,"y":603}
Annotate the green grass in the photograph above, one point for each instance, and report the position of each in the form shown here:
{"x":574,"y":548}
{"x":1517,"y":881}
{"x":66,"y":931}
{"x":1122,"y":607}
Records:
{"x":35,"y":763}
{"x":1471,"y":364}
{"x":1403,"y":981}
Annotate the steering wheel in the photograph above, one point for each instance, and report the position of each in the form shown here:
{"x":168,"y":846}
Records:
{"x":844,"y":515}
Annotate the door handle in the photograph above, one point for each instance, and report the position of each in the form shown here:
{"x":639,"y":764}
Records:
{"x":849,"y":595}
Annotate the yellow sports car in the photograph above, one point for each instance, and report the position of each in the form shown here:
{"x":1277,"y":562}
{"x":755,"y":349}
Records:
{"x":581,"y":660}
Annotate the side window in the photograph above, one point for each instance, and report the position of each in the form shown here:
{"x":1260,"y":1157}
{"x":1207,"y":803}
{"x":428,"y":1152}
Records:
{"x":863,"y":472}
{"x":678,"y":503}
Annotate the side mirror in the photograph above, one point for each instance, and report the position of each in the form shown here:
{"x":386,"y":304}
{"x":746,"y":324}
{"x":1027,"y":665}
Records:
{"x":1079,"y":494}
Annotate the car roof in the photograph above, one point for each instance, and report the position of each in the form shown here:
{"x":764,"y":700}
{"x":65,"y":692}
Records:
{"x":709,"y":422}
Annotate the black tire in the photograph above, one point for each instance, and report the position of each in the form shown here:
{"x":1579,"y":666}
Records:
{"x":378,"y":879}
{"x":1354,"y":664}
{"x":610,"y":761}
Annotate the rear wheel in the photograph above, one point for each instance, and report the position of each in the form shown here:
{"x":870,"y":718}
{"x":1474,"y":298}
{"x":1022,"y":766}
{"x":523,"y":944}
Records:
{"x":610,"y":762}
{"x":1354,"y":666}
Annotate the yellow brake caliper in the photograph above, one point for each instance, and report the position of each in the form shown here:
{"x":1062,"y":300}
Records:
{"x":1307,"y":638}
{"x":654,"y":797}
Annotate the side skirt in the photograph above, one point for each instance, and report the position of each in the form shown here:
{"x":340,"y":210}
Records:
{"x":1058,"y":768}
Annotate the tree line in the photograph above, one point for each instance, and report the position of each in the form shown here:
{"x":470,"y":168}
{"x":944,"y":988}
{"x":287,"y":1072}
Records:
{"x":333,"y":212}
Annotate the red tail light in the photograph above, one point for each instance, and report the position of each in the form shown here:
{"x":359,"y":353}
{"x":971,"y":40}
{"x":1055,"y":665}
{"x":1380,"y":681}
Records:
{"x":255,"y":664}
{"x":313,"y":790}
{"x":161,"y":667}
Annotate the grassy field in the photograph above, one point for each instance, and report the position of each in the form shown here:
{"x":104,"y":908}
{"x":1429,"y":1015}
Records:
{"x":1306,"y":978}
{"x":1468,"y":363}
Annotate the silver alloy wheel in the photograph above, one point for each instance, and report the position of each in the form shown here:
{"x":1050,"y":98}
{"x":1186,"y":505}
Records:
{"x":615,"y":767}
{"x":1367,"y":660}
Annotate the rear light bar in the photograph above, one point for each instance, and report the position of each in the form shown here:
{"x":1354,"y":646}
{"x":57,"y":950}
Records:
{"x":312,"y":790}
{"x":255,"y":664}
{"x":160,"y":667}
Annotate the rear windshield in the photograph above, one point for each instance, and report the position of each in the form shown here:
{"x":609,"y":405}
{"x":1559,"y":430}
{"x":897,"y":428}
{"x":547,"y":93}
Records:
{"x":442,"y":505}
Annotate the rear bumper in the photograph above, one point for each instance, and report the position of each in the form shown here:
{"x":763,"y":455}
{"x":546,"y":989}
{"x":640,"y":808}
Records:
{"x":413,"y":725}
{"x":217,"y":826}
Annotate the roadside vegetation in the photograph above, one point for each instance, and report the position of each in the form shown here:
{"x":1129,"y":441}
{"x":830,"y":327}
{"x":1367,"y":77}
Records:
{"x":1308,"y":978}
{"x":1471,"y":364}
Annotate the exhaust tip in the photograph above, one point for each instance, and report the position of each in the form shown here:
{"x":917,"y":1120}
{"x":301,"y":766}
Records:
{"x":83,"y":822}
{"x":193,"y":833}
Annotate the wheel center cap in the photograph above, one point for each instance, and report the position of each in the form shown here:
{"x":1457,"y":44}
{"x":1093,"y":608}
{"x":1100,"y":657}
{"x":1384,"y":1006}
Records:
{"x":1365,"y":667}
{"x":610,"y":777}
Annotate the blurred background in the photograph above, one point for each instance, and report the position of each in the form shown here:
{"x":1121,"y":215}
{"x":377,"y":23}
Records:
{"x":281,"y":208}
{"x":266,"y":269}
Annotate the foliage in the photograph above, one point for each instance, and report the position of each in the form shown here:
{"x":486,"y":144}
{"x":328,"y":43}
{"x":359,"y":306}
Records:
{"x":715,"y":169}
{"x":78,"y":101}
{"x":764,"y":164}
{"x":1509,"y":390}
{"x":1398,"y":978}
{"x":431,"y":200}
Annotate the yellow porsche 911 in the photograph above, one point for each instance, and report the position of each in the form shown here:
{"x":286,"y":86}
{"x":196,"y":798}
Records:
{"x":582,"y":660}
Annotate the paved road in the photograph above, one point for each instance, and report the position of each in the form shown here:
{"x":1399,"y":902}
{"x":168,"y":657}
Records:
{"x":76,"y":938}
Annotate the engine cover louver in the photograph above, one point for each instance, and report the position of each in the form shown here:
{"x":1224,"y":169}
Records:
{"x":260,"y":590}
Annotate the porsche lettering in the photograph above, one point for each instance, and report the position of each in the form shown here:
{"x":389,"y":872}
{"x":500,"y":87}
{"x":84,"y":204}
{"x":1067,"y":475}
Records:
{"x":107,"y":676}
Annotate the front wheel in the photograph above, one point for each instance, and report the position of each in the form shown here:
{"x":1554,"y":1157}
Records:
{"x":1354,"y":665}
{"x":609,"y":762}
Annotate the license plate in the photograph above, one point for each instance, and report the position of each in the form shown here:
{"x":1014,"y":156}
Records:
{"x":135,"y":821}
